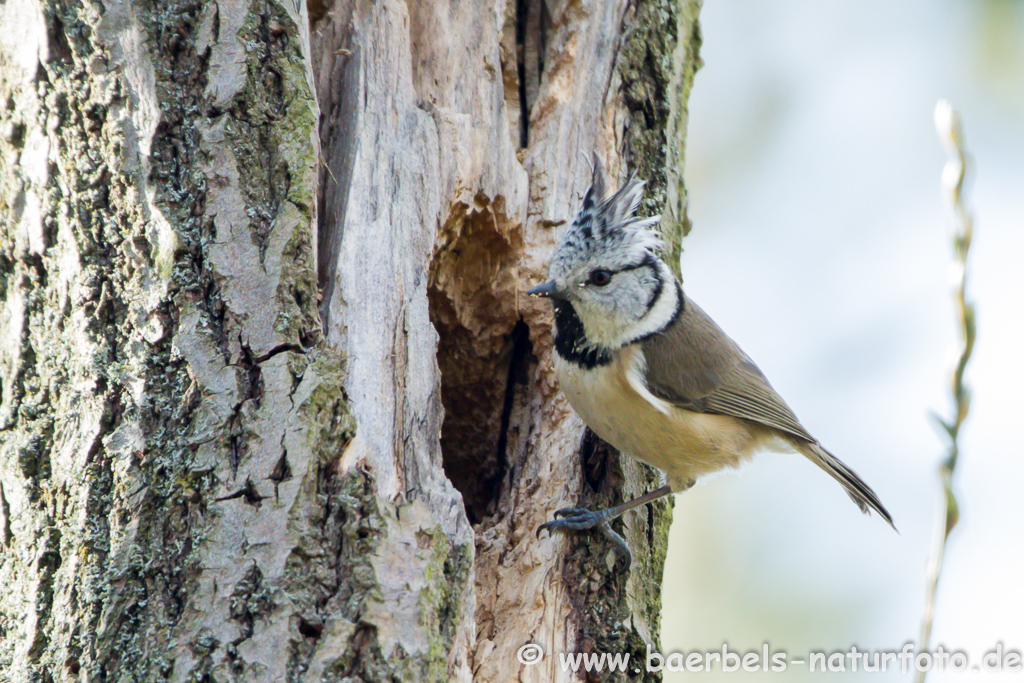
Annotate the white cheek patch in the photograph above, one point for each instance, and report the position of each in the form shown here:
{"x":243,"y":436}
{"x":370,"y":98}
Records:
{"x":660,"y":314}
{"x":611,"y":323}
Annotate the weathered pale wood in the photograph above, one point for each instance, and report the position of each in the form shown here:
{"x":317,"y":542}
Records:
{"x":431,"y":200}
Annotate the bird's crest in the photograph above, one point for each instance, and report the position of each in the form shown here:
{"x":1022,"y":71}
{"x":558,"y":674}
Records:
{"x":611,"y":221}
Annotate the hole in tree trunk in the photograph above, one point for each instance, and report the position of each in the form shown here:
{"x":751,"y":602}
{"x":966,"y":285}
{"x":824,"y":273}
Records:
{"x":483,"y":352}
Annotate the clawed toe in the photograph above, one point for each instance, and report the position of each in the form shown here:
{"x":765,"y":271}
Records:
{"x":576,"y":519}
{"x":580,"y":519}
{"x":619,"y":542}
{"x":579,"y":515}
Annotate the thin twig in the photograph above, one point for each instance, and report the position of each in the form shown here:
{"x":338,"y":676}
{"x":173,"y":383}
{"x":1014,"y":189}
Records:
{"x":947,"y":122}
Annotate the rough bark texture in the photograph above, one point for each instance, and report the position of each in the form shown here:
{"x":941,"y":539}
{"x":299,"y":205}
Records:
{"x":169,"y":422}
{"x":272,"y":403}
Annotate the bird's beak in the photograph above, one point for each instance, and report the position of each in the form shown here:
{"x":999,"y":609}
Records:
{"x":547,"y":290}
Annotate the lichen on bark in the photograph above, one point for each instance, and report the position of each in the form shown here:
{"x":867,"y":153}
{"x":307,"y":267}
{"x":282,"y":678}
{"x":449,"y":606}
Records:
{"x":144,"y":396}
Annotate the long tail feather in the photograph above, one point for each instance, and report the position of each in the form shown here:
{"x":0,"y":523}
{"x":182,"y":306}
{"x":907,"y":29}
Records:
{"x":859,"y":491}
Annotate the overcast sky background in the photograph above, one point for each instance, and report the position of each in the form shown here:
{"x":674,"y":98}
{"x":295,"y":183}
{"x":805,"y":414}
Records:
{"x":821,"y":243}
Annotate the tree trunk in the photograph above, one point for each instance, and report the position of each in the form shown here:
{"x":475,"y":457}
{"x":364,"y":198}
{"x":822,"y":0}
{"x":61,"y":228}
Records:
{"x":273,"y":405}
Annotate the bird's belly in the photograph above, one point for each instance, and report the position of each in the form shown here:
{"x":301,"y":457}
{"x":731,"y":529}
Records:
{"x":682,"y":443}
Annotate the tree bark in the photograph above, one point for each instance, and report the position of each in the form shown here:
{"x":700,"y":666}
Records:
{"x":273,"y":405}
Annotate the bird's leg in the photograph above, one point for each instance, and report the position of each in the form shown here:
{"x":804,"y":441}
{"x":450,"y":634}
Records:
{"x":577,"y":519}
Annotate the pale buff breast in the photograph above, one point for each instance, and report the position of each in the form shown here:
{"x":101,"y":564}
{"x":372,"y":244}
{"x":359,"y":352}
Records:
{"x":614,"y":401}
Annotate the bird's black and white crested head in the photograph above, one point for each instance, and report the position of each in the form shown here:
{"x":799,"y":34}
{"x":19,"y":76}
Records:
{"x":608,"y":286}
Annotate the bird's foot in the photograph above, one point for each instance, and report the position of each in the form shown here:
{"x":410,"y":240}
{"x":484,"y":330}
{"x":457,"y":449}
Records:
{"x":576,"y":519}
{"x":579,"y":519}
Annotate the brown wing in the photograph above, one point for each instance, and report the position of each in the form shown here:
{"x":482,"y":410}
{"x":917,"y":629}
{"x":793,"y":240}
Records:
{"x":693,"y":364}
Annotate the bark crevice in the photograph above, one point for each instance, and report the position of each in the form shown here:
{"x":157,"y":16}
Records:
{"x":530,"y":24}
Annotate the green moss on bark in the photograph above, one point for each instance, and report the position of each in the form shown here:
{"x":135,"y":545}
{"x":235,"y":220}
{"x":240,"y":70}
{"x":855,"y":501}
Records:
{"x":103,"y":408}
{"x":657,"y":66}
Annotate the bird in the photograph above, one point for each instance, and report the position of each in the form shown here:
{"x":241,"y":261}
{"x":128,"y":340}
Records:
{"x":650,"y":372}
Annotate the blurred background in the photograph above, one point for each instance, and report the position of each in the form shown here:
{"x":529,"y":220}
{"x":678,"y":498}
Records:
{"x":821,"y":243}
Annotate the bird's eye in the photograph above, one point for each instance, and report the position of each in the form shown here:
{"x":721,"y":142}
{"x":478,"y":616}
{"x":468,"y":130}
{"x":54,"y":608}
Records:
{"x":600,"y":277}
